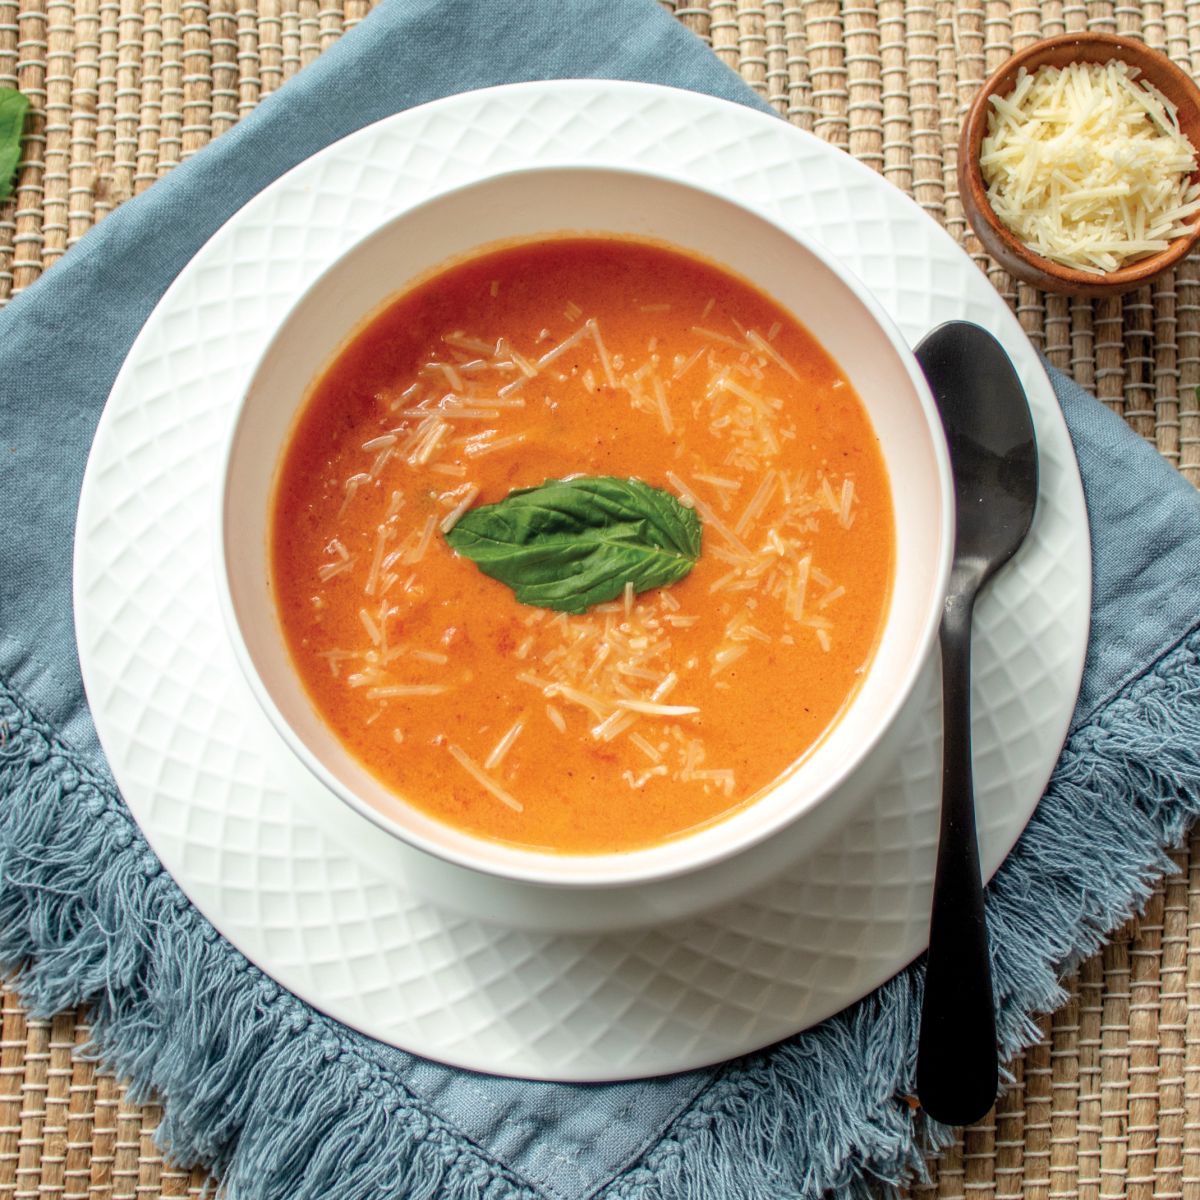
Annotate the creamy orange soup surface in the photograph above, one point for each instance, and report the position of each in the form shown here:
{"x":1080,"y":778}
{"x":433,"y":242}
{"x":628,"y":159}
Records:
{"x":650,"y":714}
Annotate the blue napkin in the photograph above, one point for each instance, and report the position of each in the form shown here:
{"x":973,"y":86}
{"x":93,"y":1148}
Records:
{"x":280,"y":1100}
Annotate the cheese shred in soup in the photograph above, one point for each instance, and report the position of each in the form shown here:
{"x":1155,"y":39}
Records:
{"x":648,"y":715}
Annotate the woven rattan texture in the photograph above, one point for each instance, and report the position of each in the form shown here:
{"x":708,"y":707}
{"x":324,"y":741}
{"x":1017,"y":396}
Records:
{"x":122,"y":90}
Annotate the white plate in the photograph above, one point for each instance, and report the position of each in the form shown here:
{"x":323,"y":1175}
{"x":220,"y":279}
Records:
{"x":313,"y":893}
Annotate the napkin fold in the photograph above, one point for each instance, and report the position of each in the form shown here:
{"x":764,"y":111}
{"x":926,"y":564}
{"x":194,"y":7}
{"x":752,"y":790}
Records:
{"x":280,"y":1100}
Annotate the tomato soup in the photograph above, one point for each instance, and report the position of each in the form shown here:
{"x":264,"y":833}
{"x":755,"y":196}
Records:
{"x":649,"y":714}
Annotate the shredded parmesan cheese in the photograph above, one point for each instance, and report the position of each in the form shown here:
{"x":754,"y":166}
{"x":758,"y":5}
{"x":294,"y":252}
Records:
{"x":410,"y":689}
{"x":503,"y":745}
{"x":472,"y":768}
{"x":657,"y":710}
{"x":449,"y":521}
{"x":1089,"y":167}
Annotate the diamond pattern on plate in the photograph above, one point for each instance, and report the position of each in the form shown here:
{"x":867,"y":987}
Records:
{"x":315,"y":894}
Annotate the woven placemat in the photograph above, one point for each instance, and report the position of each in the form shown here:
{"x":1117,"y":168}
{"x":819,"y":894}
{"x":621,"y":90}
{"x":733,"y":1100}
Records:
{"x":1109,"y":1103}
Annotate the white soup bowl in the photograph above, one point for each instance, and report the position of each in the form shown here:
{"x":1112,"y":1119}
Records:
{"x":802,"y":277}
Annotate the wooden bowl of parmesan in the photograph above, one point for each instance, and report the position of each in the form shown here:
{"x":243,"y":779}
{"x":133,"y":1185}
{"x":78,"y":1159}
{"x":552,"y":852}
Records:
{"x":1078,"y":165}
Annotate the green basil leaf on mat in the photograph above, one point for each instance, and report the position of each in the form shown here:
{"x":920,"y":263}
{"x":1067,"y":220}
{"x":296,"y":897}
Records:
{"x":12,"y":121}
{"x":572,"y":543}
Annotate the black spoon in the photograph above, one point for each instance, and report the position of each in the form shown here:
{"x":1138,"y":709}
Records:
{"x":994,"y":457}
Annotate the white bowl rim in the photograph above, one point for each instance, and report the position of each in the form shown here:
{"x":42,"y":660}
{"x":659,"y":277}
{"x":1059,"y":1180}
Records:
{"x":628,"y":868}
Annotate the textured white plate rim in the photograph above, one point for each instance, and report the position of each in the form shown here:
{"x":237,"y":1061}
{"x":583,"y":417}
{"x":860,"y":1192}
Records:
{"x":628,"y":102}
{"x":735,"y":836}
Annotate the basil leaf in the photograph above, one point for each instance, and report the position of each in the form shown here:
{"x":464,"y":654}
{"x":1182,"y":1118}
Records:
{"x":12,"y":120}
{"x":572,"y":543}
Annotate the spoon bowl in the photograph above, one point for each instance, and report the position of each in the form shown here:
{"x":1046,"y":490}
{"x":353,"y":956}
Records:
{"x":993,"y":454}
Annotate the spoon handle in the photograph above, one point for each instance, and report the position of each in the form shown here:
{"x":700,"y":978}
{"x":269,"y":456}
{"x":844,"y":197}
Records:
{"x":957,"y":1073}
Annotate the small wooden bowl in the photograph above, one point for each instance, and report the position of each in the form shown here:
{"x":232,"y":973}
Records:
{"x":1013,"y":255}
